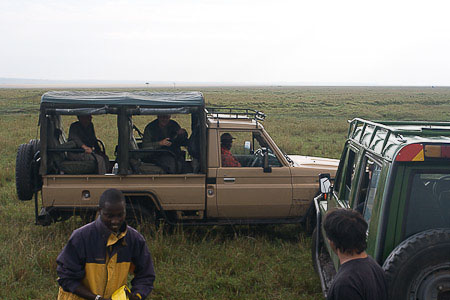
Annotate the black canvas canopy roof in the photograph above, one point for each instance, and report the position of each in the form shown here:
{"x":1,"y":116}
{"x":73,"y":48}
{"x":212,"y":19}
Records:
{"x":104,"y":98}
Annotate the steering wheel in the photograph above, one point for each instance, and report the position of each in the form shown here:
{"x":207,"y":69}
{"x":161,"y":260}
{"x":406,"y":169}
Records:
{"x":442,"y":184}
{"x":258,"y":158}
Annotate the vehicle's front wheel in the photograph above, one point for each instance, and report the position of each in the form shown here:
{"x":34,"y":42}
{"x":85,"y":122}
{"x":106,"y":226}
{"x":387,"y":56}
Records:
{"x":419,"y":268}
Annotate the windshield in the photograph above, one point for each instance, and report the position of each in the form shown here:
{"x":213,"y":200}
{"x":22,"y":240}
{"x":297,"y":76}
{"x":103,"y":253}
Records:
{"x":428,"y":201}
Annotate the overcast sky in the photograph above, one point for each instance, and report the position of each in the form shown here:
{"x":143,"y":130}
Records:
{"x":317,"y":41}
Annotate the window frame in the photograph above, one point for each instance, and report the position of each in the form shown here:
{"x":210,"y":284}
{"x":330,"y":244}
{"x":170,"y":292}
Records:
{"x":252,"y":149}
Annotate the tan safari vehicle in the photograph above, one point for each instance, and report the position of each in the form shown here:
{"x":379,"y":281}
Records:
{"x":268,"y":186}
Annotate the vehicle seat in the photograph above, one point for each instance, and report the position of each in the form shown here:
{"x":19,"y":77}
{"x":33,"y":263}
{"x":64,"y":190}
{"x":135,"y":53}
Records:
{"x":58,"y":162}
{"x":136,"y":164}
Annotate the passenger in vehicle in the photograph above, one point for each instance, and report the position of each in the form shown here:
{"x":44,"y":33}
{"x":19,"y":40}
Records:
{"x":83,"y":134}
{"x":165,"y":134}
{"x":228,"y":160}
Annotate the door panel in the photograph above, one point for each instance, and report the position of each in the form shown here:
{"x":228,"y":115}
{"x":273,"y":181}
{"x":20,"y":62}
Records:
{"x":251,"y":193}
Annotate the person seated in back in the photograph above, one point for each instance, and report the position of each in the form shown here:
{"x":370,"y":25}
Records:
{"x":165,"y":134}
{"x":228,"y":160}
{"x":83,"y":134}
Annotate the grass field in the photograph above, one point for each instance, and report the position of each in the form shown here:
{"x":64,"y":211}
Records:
{"x":242,"y":262}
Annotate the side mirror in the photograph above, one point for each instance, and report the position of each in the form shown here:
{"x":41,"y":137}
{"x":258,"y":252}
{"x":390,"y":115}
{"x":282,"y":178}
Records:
{"x":324,"y":183}
{"x":266,"y":167}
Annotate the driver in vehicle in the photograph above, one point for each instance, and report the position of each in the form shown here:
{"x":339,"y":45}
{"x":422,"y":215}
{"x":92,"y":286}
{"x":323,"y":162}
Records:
{"x":228,"y":160}
{"x":166,"y":134}
{"x":83,"y":134}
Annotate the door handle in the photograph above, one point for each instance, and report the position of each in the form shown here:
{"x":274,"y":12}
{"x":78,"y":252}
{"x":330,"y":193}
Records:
{"x":229,"y":179}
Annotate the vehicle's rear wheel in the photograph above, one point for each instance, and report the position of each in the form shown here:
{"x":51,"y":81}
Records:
{"x":24,"y":172}
{"x":137,"y":214}
{"x":419,"y":268}
{"x":88,"y":215}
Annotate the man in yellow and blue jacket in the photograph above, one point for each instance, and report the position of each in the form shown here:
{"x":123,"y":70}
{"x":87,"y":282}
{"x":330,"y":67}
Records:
{"x":99,"y":256}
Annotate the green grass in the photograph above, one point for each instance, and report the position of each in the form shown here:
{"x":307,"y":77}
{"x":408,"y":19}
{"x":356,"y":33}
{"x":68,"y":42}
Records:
{"x":241,"y":262}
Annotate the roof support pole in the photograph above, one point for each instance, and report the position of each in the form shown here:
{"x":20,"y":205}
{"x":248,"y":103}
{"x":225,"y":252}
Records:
{"x":124,"y":141}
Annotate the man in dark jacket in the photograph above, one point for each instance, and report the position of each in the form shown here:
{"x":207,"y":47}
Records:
{"x":165,"y":134}
{"x":99,"y":256}
{"x":359,"y":276}
{"x":83,"y":134}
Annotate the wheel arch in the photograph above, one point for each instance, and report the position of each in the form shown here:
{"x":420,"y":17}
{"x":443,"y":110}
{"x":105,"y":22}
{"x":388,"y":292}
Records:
{"x":152,"y":202}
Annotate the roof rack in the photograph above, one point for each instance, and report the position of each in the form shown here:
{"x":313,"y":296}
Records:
{"x":235,"y":113}
{"x":397,"y":128}
{"x":356,"y":123}
{"x":402,"y":127}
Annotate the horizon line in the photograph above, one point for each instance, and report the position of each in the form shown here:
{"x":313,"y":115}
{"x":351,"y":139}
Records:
{"x":9,"y":82}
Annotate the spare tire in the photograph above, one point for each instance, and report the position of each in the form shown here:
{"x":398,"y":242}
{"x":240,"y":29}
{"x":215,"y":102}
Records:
{"x":24,"y":172}
{"x":37,"y":178}
{"x":36,"y":144}
{"x":419,"y":268}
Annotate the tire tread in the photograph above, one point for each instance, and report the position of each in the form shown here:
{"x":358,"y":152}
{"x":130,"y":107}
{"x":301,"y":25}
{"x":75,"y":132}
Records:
{"x":24,"y":179}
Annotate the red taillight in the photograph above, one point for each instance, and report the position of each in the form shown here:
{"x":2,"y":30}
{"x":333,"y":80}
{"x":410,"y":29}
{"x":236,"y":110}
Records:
{"x":445,"y":151}
{"x":437,"y":151}
{"x":413,"y":152}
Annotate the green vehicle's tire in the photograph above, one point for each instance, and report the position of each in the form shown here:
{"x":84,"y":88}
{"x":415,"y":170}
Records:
{"x":24,"y":172}
{"x":419,"y":268}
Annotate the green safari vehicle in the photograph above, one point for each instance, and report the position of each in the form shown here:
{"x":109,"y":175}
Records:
{"x":397,"y":174}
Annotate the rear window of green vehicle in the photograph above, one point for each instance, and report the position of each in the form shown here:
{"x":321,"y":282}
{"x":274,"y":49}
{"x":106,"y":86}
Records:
{"x":428,"y":201}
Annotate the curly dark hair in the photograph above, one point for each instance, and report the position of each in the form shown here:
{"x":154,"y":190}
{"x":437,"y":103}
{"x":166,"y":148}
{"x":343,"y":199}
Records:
{"x":347,"y":229}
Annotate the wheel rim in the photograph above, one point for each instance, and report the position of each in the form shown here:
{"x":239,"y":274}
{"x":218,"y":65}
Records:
{"x":433,"y":283}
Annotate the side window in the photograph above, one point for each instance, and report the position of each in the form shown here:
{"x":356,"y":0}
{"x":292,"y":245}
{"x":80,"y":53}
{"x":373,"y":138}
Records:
{"x":368,"y":188}
{"x":349,"y":173}
{"x":244,"y":149}
{"x":364,"y":178}
{"x":340,"y":172}
{"x":260,"y":143}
